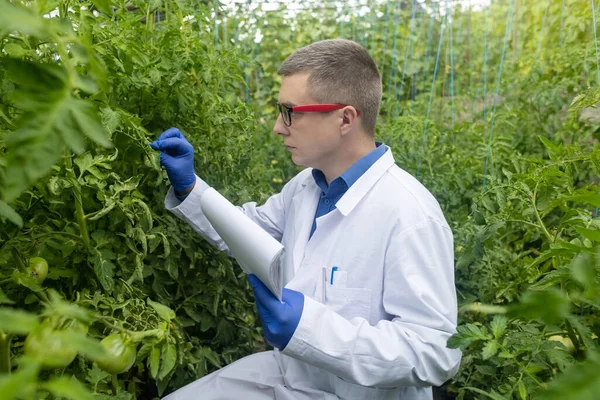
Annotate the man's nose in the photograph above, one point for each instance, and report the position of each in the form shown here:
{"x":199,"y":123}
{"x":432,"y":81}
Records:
{"x":280,"y":128}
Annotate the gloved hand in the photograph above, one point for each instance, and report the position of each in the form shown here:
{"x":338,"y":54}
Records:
{"x":177,"y":156}
{"x":279,"y":320}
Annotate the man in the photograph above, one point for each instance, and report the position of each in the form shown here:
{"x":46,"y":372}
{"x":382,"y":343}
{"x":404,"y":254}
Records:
{"x":369,"y":301}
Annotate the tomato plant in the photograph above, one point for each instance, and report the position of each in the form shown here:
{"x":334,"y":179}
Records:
{"x":48,"y":346}
{"x":565,"y":341}
{"x":37,"y":269}
{"x":120,"y":354}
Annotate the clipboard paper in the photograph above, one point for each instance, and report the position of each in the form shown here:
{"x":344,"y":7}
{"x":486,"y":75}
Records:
{"x":255,"y":250}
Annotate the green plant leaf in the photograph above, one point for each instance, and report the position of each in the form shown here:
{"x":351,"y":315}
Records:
{"x":9,"y":213}
{"x":522,"y":390}
{"x":552,"y":278}
{"x":4,"y":298}
{"x":490,"y":349}
{"x":154,"y":361}
{"x":555,"y":150}
{"x":96,"y":375}
{"x":467,"y":334}
{"x":585,"y":198}
{"x":583,"y":269}
{"x":85,"y":345}
{"x":550,"y":306}
{"x":45,"y":6}
{"x":15,"y":17}
{"x":14,"y":50}
{"x":24,"y":279}
{"x":168,"y":359}
{"x":88,"y":120}
{"x":592,"y":234}
{"x":163,"y":311}
{"x":23,"y":380}
{"x":581,"y":382}
{"x":17,"y":321}
{"x":210,"y":355}
{"x":38,"y":85}
{"x":144,"y":352}
{"x":498,"y":325}
{"x":53,"y":117}
{"x":584,"y":331}
{"x":70,"y":389}
{"x":68,"y":309}
{"x":104,"y":6}
{"x":30,"y":160}
{"x":127,"y":186}
{"x":110,"y":119}
{"x":104,"y":269}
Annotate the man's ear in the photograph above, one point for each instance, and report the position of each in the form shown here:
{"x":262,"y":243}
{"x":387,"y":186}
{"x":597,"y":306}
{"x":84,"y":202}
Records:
{"x":349,"y":119}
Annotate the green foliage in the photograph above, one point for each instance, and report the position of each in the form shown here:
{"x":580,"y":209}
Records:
{"x":82,"y":94}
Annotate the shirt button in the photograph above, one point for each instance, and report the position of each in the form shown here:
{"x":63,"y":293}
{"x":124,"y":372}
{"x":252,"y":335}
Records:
{"x":327,"y":201}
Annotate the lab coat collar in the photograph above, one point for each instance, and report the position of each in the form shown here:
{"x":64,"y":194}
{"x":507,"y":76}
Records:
{"x":360,"y":188}
{"x":340,"y":185}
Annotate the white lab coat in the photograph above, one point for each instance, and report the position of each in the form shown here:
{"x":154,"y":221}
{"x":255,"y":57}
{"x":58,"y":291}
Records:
{"x":380,"y":330}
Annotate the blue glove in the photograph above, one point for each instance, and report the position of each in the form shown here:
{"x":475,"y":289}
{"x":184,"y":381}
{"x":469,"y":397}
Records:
{"x":177,"y":156}
{"x":279,"y":320}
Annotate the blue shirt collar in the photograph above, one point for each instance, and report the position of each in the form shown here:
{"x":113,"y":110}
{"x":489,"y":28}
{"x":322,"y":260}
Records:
{"x":347,"y":179}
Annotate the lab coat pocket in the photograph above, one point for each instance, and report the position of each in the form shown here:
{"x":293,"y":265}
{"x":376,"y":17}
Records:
{"x":348,"y":302}
{"x":351,"y":391}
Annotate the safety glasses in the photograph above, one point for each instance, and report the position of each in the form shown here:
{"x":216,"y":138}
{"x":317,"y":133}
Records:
{"x":286,"y":112}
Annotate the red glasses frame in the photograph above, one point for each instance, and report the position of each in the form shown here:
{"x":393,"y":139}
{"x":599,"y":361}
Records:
{"x":286,"y":112}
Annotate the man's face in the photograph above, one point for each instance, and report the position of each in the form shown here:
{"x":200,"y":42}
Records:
{"x":313,"y":139}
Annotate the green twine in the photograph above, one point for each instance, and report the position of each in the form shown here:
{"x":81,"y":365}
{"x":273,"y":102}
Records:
{"x":246,"y":73}
{"x":437,"y":60}
{"x":489,"y":147}
{"x":386,"y":25}
{"x":596,"y":39}
{"x":597,"y":60}
{"x":216,"y":25}
{"x":373,"y":32}
{"x":485,"y":59}
{"x":409,"y":45}
{"x":452,"y":69}
{"x":393,"y":71}
{"x":429,"y":41}
{"x":562,"y":23}
{"x":542,"y":34}
{"x":413,"y":92}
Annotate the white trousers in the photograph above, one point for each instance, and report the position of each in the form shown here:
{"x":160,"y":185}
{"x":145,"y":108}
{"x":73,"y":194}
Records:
{"x":254,"y":377}
{"x":272,"y":376}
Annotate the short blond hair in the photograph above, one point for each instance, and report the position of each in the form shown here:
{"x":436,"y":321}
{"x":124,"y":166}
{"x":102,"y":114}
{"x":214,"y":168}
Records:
{"x":341,"y":72}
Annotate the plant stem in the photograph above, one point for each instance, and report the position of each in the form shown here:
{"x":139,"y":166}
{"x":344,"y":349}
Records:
{"x":572,"y":335}
{"x":114,"y":384}
{"x":79,"y":213}
{"x":5,"y":339}
{"x":520,"y":221}
{"x":72,"y":236}
{"x":116,"y":327}
{"x":537,"y":215}
{"x":18,"y":260}
{"x":135,"y":336}
{"x":139,"y":336}
{"x":523,"y":369}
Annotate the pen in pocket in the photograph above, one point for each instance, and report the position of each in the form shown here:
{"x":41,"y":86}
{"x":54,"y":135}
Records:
{"x":333,"y":269}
